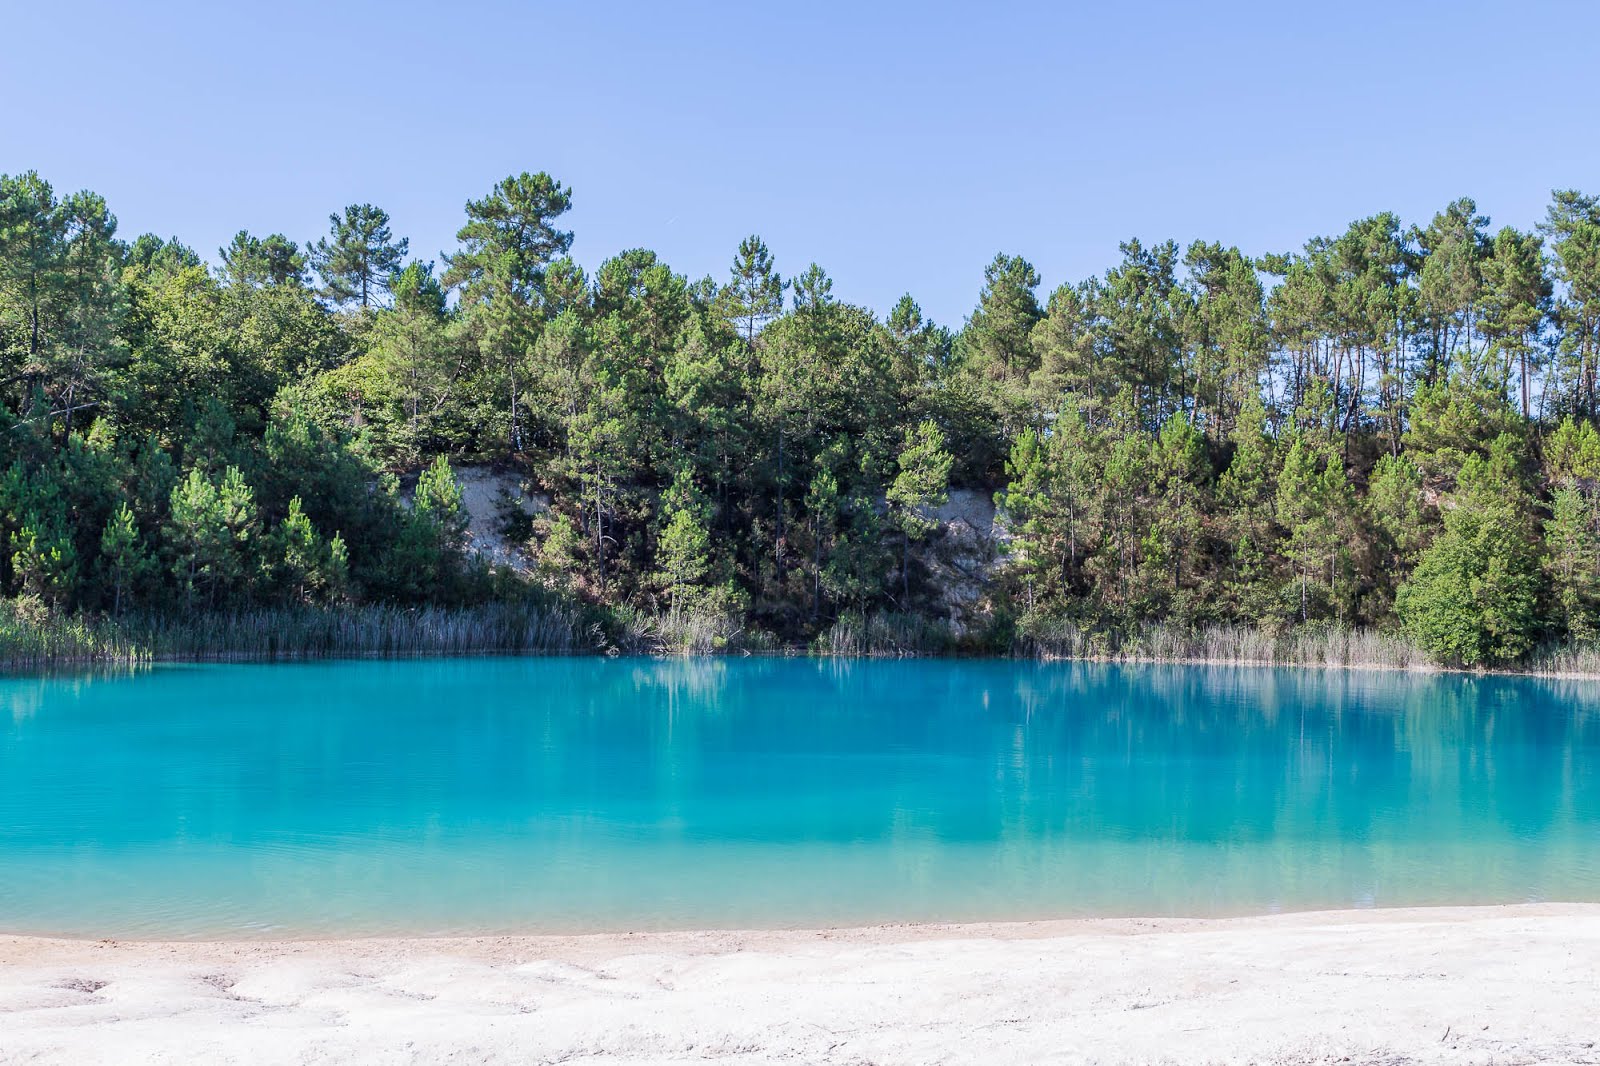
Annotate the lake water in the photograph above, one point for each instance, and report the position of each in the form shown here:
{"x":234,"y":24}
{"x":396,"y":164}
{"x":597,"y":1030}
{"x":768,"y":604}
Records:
{"x":491,"y":795}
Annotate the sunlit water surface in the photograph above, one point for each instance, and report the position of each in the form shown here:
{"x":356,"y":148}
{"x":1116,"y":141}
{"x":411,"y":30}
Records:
{"x":490,"y":795}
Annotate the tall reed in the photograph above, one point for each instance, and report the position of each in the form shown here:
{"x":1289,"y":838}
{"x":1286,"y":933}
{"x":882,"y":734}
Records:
{"x":297,"y":633}
{"x":686,"y":633}
{"x":1566,"y":660}
{"x":886,"y":634}
{"x":31,"y":637}
{"x":1058,"y":638}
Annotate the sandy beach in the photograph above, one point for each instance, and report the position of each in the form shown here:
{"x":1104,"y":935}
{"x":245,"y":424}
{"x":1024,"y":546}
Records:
{"x":1452,"y":985}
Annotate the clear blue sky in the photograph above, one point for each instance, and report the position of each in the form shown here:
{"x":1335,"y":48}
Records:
{"x":898,"y":144}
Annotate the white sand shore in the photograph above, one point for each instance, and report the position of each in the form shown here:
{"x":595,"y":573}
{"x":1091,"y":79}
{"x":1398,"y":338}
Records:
{"x":1457,"y":985}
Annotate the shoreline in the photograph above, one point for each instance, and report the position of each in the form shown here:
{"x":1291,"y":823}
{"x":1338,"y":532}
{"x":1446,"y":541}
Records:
{"x":1435,"y":984}
{"x":538,"y":628}
{"x":15,"y":669}
{"x":869,"y":930}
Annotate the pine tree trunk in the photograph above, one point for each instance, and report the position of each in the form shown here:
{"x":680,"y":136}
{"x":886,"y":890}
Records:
{"x":905,"y":573}
{"x":777,"y":544}
{"x":599,"y":536}
{"x":1523,"y":356}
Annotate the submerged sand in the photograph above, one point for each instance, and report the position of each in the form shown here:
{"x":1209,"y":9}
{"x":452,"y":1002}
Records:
{"x":1458,"y":985}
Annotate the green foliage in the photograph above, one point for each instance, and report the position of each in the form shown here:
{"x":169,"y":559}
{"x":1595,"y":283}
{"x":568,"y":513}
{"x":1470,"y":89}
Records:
{"x":754,"y":293}
{"x":312,"y":569}
{"x":1572,"y":453}
{"x":127,"y":563}
{"x":685,"y":546}
{"x":1473,"y":598}
{"x":995,"y":348}
{"x":1387,"y":427}
{"x":1051,"y":507}
{"x":1246,"y":488}
{"x":359,"y":255}
{"x":211,"y":527}
{"x":1572,"y":562}
{"x":919,"y":486}
{"x":508,"y":243}
{"x":45,"y":562}
{"x":262,"y":261}
{"x":438,"y":503}
{"x":1315,"y":508}
{"x":560,"y":551}
{"x":1398,"y":517}
{"x":1451,"y":421}
{"x":509,"y":239}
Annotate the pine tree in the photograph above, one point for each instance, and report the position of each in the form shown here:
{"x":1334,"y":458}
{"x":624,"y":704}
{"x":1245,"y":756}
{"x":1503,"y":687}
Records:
{"x":1473,"y":598}
{"x":313,"y":568}
{"x":507,"y":244}
{"x":822,"y":504}
{"x":32,"y":232}
{"x":1245,"y":489}
{"x":90,"y":348}
{"x":256,"y":261}
{"x":1314,"y":506}
{"x":1572,"y":562}
{"x":358,"y":257}
{"x":45,"y":561}
{"x":1069,"y":372}
{"x":856,"y":567}
{"x":683,"y":552}
{"x":419,"y":356}
{"x":126,"y":559}
{"x":211,"y":526}
{"x":438,"y":502}
{"x":1516,"y":297}
{"x":1573,"y":228}
{"x":1171,"y":549}
{"x":995,"y":347}
{"x":754,"y":294}
{"x":1396,"y":512}
{"x":919,"y":485}
{"x":1225,"y":333}
{"x":922,"y":350}
{"x":560,"y":552}
{"x":510,"y":238}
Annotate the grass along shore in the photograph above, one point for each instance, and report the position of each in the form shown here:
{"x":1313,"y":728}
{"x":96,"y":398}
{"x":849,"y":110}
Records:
{"x":32,"y":639}
{"x":294,"y":633}
{"x":1315,"y":646}
{"x":1323,"y":646}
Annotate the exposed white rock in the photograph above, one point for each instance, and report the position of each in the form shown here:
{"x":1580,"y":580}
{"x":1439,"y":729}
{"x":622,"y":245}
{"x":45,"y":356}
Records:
{"x":963,"y":556}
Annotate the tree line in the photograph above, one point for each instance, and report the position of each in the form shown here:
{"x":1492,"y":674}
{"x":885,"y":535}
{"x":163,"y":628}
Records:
{"x":1389,"y":427}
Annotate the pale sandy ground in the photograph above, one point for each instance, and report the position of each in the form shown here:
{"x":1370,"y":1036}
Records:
{"x":1459,"y":985}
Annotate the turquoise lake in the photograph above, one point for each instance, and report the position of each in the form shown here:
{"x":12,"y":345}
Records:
{"x":496,"y":795}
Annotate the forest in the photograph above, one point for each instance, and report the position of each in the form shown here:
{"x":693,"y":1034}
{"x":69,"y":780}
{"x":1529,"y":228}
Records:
{"x":1390,"y":429}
